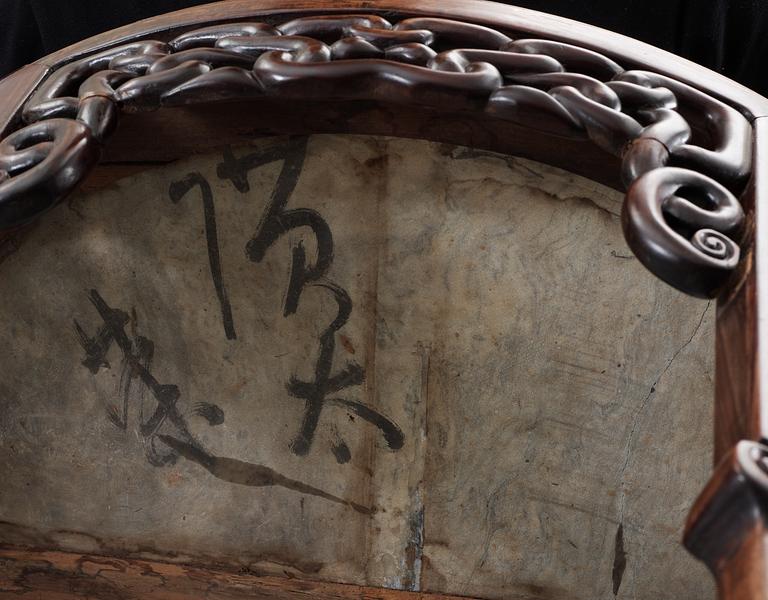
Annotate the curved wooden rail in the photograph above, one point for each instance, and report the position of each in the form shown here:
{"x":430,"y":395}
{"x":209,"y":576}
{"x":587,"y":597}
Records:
{"x":684,"y":142}
{"x":685,"y":155}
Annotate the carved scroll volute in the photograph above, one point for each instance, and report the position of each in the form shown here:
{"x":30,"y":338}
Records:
{"x":727,"y":527}
{"x":681,"y":216}
{"x":682,"y":225}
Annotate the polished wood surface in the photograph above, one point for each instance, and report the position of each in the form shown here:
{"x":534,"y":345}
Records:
{"x":46,"y":575}
{"x":742,"y":329}
{"x":740,"y":407}
{"x":515,"y":19}
{"x":726,"y":527}
{"x":14,"y":91}
{"x":180,"y":132}
{"x":739,"y":554}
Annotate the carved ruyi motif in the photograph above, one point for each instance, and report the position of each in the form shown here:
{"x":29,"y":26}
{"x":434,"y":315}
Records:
{"x":732,"y":509}
{"x":681,"y":217}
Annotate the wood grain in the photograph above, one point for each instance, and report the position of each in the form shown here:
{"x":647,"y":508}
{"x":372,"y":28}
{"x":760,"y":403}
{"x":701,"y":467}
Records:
{"x":741,"y":402}
{"x":180,"y":132}
{"x":726,"y":528}
{"x":45,"y":575}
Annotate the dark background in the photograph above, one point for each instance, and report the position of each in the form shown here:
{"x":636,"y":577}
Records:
{"x":725,"y":35}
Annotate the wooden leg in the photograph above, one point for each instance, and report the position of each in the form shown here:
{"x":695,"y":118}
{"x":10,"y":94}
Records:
{"x":727,"y":525}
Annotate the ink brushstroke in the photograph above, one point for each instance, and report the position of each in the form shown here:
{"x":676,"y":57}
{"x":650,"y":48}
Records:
{"x":137,"y":362}
{"x":251,"y":474}
{"x":137,"y":354}
{"x":177,"y":191}
{"x":277,"y":221}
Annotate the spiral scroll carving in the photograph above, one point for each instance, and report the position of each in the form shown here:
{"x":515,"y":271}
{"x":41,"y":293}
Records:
{"x":682,"y":222}
{"x":752,"y":460}
{"x":681,"y":216}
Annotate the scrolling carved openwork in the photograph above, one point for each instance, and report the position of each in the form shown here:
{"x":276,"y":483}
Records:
{"x":686,"y":156}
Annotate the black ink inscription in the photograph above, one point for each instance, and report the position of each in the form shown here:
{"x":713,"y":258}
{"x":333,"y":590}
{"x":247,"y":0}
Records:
{"x":210,"y":412}
{"x":137,"y":357}
{"x":325,"y":388}
{"x":245,"y":473}
{"x":144,"y":351}
{"x":393,"y":435}
{"x":619,"y":559}
{"x":177,"y":191}
{"x":339,"y":449}
{"x":276,"y":222}
{"x":137,"y":354}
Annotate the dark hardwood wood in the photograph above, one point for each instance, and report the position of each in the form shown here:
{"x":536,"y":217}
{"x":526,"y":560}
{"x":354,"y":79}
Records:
{"x":740,"y":407}
{"x":668,"y":135}
{"x":726,"y":528}
{"x":514,"y":19}
{"x":180,"y":132}
{"x":51,"y":575}
{"x":14,"y":91}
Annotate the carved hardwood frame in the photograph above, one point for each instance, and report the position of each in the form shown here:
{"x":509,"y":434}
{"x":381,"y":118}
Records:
{"x":683,"y":142}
